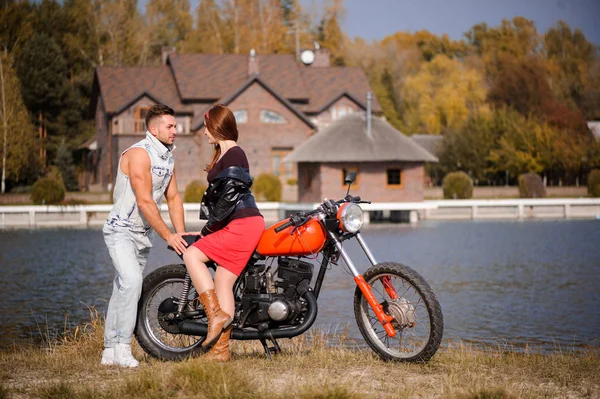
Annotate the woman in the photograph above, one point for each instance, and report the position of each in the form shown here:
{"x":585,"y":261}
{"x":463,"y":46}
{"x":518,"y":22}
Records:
{"x":231,"y":233}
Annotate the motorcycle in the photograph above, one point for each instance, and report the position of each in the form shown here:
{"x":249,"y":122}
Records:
{"x":396,"y":311}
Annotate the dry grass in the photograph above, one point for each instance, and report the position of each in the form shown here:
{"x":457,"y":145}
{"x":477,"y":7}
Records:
{"x":309,"y":367}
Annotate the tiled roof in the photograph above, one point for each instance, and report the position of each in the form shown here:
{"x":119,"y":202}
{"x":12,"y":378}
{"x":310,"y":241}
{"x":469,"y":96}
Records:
{"x":208,"y":76}
{"x":120,"y":86}
{"x":191,"y":81}
{"x":328,"y":83}
{"x":346,"y":140}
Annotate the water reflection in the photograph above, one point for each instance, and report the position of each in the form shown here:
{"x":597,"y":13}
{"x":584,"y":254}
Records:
{"x":521,"y":283}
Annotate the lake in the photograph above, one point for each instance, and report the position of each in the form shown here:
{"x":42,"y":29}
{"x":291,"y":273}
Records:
{"x":501,"y":283}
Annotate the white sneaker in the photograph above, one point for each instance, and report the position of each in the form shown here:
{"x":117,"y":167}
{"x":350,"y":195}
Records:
{"x":123,"y":356}
{"x":108,"y":357}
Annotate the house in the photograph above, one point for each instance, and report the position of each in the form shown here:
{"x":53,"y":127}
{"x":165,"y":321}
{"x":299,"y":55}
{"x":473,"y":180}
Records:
{"x":389,"y":165}
{"x":278,"y":103}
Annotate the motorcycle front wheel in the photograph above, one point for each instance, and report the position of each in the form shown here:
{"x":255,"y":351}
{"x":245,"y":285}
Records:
{"x":156,"y":327}
{"x":416,"y":312}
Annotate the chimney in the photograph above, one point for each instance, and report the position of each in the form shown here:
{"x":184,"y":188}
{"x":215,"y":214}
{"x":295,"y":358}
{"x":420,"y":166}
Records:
{"x":322,"y":56}
{"x":253,"y":63}
{"x":369,"y":97}
{"x":165,"y":52}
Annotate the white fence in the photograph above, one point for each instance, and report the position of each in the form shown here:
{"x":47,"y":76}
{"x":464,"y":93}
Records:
{"x":85,"y":215}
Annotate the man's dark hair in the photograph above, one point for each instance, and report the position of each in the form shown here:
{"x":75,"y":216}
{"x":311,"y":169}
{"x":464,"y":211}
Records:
{"x":156,"y":111}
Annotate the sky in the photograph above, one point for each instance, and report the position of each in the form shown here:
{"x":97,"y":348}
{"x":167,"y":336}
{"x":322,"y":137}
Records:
{"x":376,"y":19}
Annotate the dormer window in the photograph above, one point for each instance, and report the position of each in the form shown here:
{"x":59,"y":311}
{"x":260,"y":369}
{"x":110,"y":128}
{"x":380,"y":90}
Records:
{"x":340,"y":110}
{"x":241,"y":116}
{"x":267,"y":116}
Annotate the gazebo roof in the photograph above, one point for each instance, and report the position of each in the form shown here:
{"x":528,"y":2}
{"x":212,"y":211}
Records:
{"x":347,"y":140}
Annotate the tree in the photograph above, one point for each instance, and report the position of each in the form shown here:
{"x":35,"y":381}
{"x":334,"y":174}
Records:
{"x":169,"y":23}
{"x":330,"y":33}
{"x":524,"y":144}
{"x":443,"y":94}
{"x":207,"y":37}
{"x":13,"y":35}
{"x":572,"y":55}
{"x":19,"y":163}
{"x":520,"y":83}
{"x":468,"y":149}
{"x":517,"y":38}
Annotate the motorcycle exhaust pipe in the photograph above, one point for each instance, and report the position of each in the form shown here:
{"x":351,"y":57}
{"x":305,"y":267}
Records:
{"x":192,"y":328}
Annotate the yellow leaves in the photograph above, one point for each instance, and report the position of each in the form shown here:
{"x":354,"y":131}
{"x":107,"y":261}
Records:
{"x":443,"y":94}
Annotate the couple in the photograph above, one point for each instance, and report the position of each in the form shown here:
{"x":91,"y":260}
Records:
{"x":234,"y":225}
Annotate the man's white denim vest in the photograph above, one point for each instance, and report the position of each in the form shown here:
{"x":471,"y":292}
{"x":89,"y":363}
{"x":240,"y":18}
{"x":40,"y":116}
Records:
{"x":125,"y":212}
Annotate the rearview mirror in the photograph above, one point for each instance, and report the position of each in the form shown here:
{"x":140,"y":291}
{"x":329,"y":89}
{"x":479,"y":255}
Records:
{"x":350,"y":177}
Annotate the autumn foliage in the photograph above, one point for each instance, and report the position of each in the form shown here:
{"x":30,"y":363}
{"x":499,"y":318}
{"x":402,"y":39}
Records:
{"x":507,"y":99}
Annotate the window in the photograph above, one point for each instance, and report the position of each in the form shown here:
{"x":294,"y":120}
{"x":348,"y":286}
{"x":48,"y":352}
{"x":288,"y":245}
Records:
{"x":278,"y":167}
{"x":340,"y":110}
{"x":241,"y":116}
{"x":267,"y":116}
{"x":345,"y":172}
{"x":394,"y":177}
{"x":140,"y":118}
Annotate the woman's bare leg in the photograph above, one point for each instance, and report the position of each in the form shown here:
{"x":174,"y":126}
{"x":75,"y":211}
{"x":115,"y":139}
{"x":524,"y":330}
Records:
{"x":224,"y":281}
{"x":195,"y":262}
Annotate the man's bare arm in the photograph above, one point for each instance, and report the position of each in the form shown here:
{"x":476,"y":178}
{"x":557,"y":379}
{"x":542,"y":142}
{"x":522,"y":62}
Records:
{"x":175,"y":205}
{"x":138,"y":165}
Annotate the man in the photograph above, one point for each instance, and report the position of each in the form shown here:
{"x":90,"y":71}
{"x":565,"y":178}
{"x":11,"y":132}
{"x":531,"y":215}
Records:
{"x":146,"y":172}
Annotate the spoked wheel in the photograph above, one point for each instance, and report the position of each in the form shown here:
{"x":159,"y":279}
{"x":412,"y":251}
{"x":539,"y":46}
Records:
{"x":417,"y":316}
{"x":156,"y":328}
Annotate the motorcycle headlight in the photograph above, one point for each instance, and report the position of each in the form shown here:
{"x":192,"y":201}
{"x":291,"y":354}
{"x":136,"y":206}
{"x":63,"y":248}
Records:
{"x":350,"y":217}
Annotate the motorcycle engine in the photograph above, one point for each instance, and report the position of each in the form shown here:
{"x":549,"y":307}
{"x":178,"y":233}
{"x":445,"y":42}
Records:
{"x":276,"y":298}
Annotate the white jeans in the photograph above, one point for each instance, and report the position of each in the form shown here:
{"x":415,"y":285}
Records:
{"x":129,"y":253}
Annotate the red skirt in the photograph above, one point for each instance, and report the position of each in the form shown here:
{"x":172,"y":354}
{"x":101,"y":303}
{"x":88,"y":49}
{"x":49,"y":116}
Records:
{"x":232,"y":246}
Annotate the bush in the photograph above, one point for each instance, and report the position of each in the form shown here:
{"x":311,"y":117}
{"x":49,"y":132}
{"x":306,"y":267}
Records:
{"x":531,"y":186}
{"x":194,"y":191}
{"x":458,"y":185}
{"x":292,"y":181}
{"x":47,"y":190}
{"x":268,"y":187}
{"x":593,"y":183}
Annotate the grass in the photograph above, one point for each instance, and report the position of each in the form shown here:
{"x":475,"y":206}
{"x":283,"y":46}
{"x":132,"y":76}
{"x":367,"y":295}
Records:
{"x":314,"y":365}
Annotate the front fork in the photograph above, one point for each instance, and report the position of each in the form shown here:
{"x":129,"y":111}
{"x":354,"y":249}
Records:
{"x":365,"y":288}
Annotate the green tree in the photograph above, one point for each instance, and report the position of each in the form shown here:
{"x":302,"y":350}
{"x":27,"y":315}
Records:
{"x":44,"y":87}
{"x":20,"y":159}
{"x":169,"y":23}
{"x":524,"y":144}
{"x":16,"y":25}
{"x":468,"y":149}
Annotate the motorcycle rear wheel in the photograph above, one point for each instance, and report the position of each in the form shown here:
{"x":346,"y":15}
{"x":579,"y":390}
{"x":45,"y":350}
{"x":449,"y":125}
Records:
{"x":154,"y":331}
{"x":417,"y":314}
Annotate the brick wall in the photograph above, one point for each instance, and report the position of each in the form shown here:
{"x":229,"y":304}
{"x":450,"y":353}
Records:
{"x":259,"y":139}
{"x":371,"y":183}
{"x":326,"y":117}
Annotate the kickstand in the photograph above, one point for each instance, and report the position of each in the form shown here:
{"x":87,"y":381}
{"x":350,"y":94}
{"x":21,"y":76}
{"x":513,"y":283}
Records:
{"x":275,"y":349}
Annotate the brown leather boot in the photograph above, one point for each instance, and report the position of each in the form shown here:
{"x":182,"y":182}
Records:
{"x":220,"y":352}
{"x":218,"y":320}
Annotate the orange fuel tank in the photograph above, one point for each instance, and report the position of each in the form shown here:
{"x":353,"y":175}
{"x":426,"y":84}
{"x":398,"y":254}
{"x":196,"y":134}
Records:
{"x":307,"y":239}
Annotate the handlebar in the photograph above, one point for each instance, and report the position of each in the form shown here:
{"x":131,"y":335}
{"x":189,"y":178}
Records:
{"x":284,"y":226}
{"x":299,"y":219}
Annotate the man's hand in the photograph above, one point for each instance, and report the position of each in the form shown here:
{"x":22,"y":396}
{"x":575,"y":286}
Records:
{"x":177,"y":243}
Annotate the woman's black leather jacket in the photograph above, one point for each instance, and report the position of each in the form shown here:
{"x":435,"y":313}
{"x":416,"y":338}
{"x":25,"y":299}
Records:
{"x":228,"y":192}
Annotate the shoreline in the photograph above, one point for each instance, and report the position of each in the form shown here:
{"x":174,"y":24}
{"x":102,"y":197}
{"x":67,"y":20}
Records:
{"x":30,"y":216}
